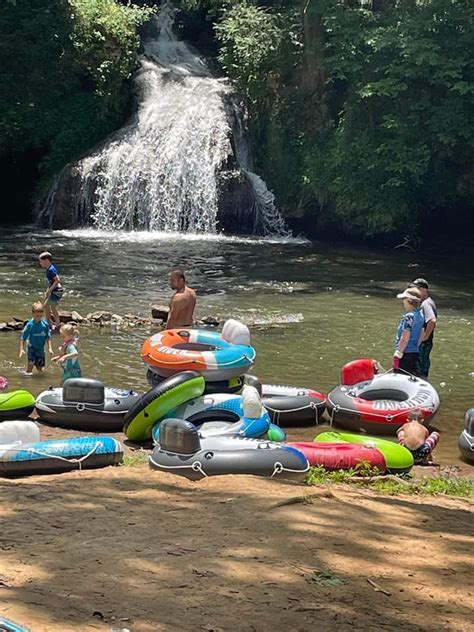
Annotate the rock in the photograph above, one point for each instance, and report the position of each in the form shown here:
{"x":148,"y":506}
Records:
{"x":5,"y":327}
{"x":16,"y":324}
{"x":117,"y":319}
{"x":209,"y":320}
{"x":76,"y":317}
{"x":65,"y":317}
{"x":160,"y":312}
{"x":100,"y":317}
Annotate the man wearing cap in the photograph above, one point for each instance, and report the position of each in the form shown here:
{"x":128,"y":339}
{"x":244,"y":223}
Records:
{"x":409,"y":332}
{"x":430,"y":314}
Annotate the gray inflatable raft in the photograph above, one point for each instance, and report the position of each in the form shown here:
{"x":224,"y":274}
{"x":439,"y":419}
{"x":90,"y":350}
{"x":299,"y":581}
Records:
{"x":180,"y":452}
{"x":466,"y":438}
{"x":85,"y":404}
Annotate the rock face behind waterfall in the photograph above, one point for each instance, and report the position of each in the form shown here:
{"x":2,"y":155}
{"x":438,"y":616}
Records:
{"x":182,"y":163}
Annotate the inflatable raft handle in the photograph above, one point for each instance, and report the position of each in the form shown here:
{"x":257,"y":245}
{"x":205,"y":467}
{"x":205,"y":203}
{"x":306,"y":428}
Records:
{"x":357,"y":371}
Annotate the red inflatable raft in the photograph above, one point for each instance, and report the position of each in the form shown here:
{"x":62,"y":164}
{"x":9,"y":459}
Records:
{"x":378,"y":403}
{"x":340,"y":456}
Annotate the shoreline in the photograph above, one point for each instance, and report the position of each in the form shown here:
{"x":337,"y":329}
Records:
{"x":135,"y":452}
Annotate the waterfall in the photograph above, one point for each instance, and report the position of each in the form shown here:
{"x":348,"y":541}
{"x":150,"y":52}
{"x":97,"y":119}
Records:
{"x":162,"y":171}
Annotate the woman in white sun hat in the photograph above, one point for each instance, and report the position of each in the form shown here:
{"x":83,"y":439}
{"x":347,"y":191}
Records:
{"x":409,"y":332}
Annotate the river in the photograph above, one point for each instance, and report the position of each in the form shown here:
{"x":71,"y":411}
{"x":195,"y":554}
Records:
{"x":315,"y":305}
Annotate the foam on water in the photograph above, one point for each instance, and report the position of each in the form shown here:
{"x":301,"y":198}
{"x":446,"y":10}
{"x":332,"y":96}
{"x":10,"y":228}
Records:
{"x":148,"y":236}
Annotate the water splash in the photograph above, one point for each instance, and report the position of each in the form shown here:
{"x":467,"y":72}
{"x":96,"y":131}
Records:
{"x":161,"y":171}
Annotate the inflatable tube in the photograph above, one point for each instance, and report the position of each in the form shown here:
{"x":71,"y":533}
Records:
{"x":223,"y":408}
{"x":3,"y":383}
{"x":234,"y":385}
{"x":85,"y":404}
{"x":16,"y":432}
{"x":292,"y":405}
{"x":244,"y":428}
{"x":180,"y":452}
{"x":235,"y":443}
{"x":16,"y":404}
{"x":341,"y":456}
{"x":275,"y":433}
{"x":466,"y":438}
{"x":208,"y":352}
{"x":53,"y":457}
{"x":6,"y":625}
{"x":159,"y":402}
{"x":381,"y":405}
{"x":397,"y":458}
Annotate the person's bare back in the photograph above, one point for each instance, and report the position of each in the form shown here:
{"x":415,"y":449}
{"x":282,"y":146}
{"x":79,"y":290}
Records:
{"x":183,"y":302}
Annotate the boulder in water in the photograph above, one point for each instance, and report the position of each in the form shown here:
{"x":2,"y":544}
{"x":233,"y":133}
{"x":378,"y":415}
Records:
{"x":160,"y":312}
{"x":100,"y":317}
{"x":70,"y":317}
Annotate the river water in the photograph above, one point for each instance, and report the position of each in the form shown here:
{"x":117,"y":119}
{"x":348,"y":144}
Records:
{"x":315,"y":306}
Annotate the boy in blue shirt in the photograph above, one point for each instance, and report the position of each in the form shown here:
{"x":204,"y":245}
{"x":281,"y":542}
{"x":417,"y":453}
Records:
{"x":55,"y":290}
{"x":37,"y":333}
{"x":409,"y":332}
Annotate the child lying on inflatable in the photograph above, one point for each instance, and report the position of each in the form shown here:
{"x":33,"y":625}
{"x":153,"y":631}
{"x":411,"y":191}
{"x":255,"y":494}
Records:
{"x":416,"y":438}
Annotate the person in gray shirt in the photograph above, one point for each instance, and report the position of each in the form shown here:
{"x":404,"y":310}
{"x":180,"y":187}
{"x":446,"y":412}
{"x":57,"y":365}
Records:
{"x":430,"y":314}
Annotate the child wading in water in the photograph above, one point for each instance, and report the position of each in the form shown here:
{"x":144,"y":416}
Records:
{"x":37,"y":333}
{"x":55,"y":290}
{"x":68,"y":352}
{"x":415,"y":436}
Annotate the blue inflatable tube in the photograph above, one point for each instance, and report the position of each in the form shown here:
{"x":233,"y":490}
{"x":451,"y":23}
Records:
{"x":174,"y":350}
{"x":219,"y":408}
{"x":53,"y":457}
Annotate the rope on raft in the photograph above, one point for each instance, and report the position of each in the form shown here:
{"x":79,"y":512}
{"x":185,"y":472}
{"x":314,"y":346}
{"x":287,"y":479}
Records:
{"x":79,"y":461}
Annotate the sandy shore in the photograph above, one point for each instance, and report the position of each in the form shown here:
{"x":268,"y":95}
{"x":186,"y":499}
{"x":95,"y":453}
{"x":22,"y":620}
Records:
{"x":128,"y":547}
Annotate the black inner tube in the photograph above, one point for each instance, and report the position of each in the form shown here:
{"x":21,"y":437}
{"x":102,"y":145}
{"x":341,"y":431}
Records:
{"x":384,"y":393}
{"x":157,"y":391}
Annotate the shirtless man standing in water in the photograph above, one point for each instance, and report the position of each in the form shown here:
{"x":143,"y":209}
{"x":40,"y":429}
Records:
{"x":183,"y":302}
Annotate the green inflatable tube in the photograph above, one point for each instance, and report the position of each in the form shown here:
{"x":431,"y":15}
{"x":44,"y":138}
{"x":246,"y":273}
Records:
{"x":397,"y":458}
{"x":160,"y":401}
{"x":16,"y":404}
{"x":275,"y":433}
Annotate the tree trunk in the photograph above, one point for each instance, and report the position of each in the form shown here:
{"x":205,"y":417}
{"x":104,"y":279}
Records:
{"x":313,"y":79}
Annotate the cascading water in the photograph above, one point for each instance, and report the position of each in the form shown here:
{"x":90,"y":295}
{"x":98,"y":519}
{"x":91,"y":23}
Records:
{"x":161,"y":171}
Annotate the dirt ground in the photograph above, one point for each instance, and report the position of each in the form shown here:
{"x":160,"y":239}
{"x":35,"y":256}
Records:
{"x":130,"y":548}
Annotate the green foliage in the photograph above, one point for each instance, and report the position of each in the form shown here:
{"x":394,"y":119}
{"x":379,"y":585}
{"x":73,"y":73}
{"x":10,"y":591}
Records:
{"x":63,"y":66}
{"x":446,"y":485}
{"x":134,"y":460}
{"x":391,"y":152}
{"x":362,"y":114}
{"x":250,"y":39}
{"x":326,"y":579}
{"x":104,"y":41}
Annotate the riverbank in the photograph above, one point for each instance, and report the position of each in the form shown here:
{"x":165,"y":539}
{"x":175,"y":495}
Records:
{"x":131,"y":548}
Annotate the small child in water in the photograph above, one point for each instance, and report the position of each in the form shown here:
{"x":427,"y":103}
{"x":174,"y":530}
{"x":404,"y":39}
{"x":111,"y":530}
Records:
{"x":416,"y":438}
{"x":68,"y":355}
{"x":37,"y":334}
